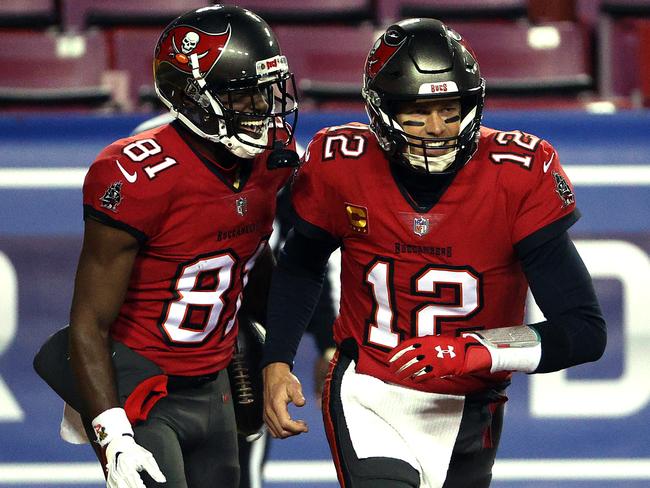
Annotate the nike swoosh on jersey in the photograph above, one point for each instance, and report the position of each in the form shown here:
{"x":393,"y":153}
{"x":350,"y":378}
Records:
{"x":547,"y":164}
{"x":131,"y":177}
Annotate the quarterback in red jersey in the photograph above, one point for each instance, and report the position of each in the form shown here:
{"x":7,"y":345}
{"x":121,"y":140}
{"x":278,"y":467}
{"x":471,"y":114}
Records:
{"x":443,"y":225}
{"x":177,"y":219}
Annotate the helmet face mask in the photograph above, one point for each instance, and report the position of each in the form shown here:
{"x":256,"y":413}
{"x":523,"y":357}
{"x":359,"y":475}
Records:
{"x":423,"y":60}
{"x":250,"y":114}
{"x":220,"y":70}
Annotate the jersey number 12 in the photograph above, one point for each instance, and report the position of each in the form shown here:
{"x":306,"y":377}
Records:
{"x":428,"y":283}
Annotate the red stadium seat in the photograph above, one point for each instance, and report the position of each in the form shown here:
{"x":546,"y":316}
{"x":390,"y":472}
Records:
{"x":644,"y":66}
{"x":622,"y":48}
{"x":587,"y":12}
{"x":391,"y":10}
{"x":30,"y":14}
{"x":131,"y":52}
{"x":517,"y":59}
{"x":327,"y":61}
{"x":47,"y":69}
{"x":625,"y":7}
{"x":78,"y":14}
{"x":310,"y":12}
{"x":520,"y":59}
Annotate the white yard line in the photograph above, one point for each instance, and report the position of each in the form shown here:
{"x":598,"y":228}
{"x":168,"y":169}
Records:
{"x":608,"y":175}
{"x":323,"y":471}
{"x":41,"y":178}
{"x":64,"y":178}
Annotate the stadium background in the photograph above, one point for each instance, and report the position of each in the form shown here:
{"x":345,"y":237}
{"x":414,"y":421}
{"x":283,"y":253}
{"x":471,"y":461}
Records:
{"x":584,"y":428}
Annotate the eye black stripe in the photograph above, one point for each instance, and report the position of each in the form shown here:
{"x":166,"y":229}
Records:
{"x":413,"y":123}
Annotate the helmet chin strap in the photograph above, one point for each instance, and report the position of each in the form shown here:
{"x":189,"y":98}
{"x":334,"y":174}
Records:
{"x":242,"y":150}
{"x":431,"y":164}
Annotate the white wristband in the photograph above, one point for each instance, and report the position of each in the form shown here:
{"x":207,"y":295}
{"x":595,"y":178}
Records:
{"x":525,"y":359}
{"x":110,"y":424}
{"x":511,"y":348}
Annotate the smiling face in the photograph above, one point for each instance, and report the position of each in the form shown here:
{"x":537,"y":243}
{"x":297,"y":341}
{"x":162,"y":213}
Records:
{"x":251,"y":109}
{"x":430,"y":119}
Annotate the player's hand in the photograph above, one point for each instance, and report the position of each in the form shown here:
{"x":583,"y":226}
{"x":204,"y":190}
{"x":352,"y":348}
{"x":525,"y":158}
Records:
{"x":281,"y":387}
{"x":125,"y":460}
{"x":321,"y":368}
{"x":423,"y":358}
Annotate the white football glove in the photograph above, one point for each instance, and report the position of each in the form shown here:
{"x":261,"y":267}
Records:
{"x":124,"y":457}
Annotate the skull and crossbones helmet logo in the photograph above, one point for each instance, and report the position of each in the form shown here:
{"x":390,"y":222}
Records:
{"x":189,"y":42}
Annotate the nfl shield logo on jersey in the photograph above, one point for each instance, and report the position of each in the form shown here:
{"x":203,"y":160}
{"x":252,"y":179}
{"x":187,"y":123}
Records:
{"x":420,"y":226}
{"x":242,"y":205}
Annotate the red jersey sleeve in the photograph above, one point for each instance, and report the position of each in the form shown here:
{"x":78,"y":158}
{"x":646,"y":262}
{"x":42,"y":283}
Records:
{"x":117,"y":192}
{"x":313,"y":198}
{"x":543,"y":194}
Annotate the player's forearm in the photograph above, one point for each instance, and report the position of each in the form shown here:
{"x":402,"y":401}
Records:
{"x":320,"y":326}
{"x":101,"y":284}
{"x":295,"y":291}
{"x":294,"y":294}
{"x":95,"y":306}
{"x":91,"y":362}
{"x":292,"y":300}
{"x":575,"y":331}
{"x":571,"y":339}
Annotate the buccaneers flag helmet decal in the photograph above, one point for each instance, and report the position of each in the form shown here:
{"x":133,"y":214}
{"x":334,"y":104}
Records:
{"x":382,"y":51}
{"x":183,"y":41}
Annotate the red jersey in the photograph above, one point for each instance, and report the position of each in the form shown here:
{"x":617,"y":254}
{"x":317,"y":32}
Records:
{"x":199,"y":237}
{"x":408,"y":271}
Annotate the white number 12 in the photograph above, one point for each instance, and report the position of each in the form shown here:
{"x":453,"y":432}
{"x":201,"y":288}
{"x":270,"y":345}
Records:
{"x":382,"y":330}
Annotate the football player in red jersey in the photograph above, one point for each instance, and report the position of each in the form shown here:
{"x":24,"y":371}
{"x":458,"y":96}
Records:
{"x":177,"y":219}
{"x":443,"y":225}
